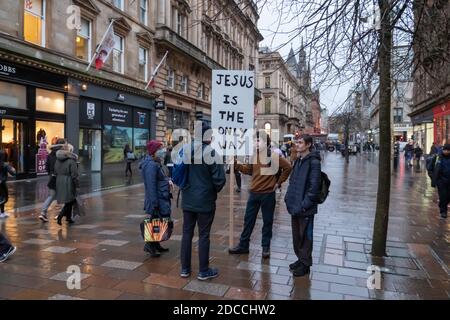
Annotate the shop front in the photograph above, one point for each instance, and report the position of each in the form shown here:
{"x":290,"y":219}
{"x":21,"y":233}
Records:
{"x":32,"y":112}
{"x":423,"y":129}
{"x":442,"y":123}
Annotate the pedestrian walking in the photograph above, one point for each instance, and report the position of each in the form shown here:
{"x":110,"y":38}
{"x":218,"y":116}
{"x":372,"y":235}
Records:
{"x":439,"y":171}
{"x":57,"y":144}
{"x":5,"y":169}
{"x":418,"y":152}
{"x":301,"y":201}
{"x":434,"y":149}
{"x":261,"y":195}
{"x":409,"y":153}
{"x":66,"y":170}
{"x":129,"y":157}
{"x":157,"y":187}
{"x":204,"y":182}
{"x":6,"y":248}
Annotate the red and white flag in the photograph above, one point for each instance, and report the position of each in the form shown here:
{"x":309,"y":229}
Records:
{"x":151,"y":83}
{"x":104,"y":48}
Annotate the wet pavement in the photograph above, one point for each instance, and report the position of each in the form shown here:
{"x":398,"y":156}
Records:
{"x":106,"y":246}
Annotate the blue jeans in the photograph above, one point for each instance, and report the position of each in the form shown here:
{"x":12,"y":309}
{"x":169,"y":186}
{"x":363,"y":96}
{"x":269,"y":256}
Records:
{"x":51,"y":197}
{"x":265,"y":201}
{"x":204,"y":222}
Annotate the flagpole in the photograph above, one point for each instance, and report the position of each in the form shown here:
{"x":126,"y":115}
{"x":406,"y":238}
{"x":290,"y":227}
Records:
{"x":101,"y":42}
{"x":156,"y":70}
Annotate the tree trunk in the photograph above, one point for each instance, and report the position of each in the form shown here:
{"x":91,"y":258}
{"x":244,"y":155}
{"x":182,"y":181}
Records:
{"x":384,"y":166}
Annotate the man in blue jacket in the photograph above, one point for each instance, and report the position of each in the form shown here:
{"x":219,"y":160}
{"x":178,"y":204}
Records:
{"x":199,"y":205}
{"x":439,"y":171}
{"x":301,"y":202}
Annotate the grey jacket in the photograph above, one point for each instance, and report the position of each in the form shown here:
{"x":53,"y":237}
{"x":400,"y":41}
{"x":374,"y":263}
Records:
{"x":304,"y":186}
{"x":204,"y":183}
{"x":66,"y":170}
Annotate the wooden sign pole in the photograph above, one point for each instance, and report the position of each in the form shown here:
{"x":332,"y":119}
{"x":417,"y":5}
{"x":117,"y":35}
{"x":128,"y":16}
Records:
{"x":231,"y":204}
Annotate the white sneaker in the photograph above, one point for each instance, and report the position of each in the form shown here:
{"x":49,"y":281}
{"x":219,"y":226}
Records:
{"x":4,"y":215}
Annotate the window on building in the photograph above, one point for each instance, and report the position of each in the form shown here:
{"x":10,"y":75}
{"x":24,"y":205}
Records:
{"x":179,"y":26}
{"x":34,"y":22}
{"x":184,"y":83}
{"x":49,"y":101}
{"x":201,"y":90}
{"x":118,"y":55}
{"x":143,"y":63}
{"x":171,"y":79}
{"x":143,"y":9}
{"x":83,"y":41}
{"x":13,"y":95}
{"x":398,"y":115}
{"x":267,"y":82}
{"x":118,"y":4}
{"x":267,"y":104}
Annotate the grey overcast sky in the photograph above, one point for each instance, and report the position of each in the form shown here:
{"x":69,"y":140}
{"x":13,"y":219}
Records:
{"x":331,"y":96}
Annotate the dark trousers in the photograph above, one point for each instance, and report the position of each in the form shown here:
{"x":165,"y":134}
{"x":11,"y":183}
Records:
{"x":302,"y":238}
{"x":265,"y":201}
{"x":204,"y":222}
{"x":444,"y":196}
{"x":4,"y":244}
{"x":128,"y":168}
{"x":3,"y":194}
{"x":67,"y":210}
{"x":237,"y":176}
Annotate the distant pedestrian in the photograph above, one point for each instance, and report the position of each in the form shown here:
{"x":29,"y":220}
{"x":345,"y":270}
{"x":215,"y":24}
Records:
{"x":5,"y":169}
{"x":66,"y":170}
{"x":57,"y":144}
{"x":6,"y":248}
{"x":434,"y":149}
{"x":157,"y":189}
{"x":439,"y":171}
{"x":301,"y":202}
{"x":418,"y":152}
{"x":409,"y":153}
{"x":261,"y":195}
{"x":129,"y":157}
{"x":204,"y":182}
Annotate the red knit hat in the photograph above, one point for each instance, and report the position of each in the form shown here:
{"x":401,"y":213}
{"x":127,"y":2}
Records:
{"x":152,"y":146}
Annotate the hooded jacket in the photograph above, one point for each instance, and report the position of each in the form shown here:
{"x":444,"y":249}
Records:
{"x":304,"y":186}
{"x":66,"y":170}
{"x":50,"y":165}
{"x":157,"y":188}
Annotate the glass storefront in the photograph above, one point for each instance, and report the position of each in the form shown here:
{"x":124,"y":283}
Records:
{"x":175,"y":119}
{"x":12,"y":142}
{"x":114,"y":140}
{"x":442,"y":123}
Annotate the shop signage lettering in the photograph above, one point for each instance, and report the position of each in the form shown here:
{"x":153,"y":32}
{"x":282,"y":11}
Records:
{"x":7,"y":70}
{"x":232,"y":111}
{"x":118,"y":115}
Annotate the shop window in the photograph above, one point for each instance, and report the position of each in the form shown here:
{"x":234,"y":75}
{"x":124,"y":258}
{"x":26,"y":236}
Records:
{"x":143,"y":9}
{"x":141,"y":136}
{"x":12,"y":95}
{"x":46,"y":130}
{"x":49,"y":101}
{"x":114,"y":141}
{"x":34,"y":22}
{"x":118,"y":55}
{"x":83,"y":41}
{"x":143,"y":63}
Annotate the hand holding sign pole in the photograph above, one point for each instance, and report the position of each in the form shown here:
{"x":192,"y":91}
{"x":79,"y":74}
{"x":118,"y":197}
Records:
{"x":232,"y":121}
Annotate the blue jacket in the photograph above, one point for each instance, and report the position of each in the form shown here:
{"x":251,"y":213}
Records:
{"x":157,"y":188}
{"x":304,"y":186}
{"x":204,"y":182}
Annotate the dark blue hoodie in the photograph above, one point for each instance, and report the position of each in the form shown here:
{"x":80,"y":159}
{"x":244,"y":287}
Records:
{"x":157,"y":188}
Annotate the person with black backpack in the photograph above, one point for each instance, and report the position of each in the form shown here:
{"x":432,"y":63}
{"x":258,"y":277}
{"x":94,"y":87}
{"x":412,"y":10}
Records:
{"x":438,"y":168}
{"x":5,"y":168}
{"x":302,"y":197}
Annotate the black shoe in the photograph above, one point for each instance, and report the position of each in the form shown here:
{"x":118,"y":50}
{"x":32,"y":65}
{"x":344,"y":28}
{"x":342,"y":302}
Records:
{"x":444,"y":215}
{"x":70,"y":221}
{"x":266,"y":252}
{"x":238,"y":250}
{"x":159,"y":248}
{"x":151,"y":249}
{"x":294,"y":265}
{"x":301,"y":271}
{"x":58,"y":220}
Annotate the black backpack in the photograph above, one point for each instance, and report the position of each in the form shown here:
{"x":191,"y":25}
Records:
{"x":324,"y":187}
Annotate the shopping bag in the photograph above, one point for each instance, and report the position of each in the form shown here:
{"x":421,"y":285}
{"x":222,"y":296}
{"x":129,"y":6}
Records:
{"x":156,"y":229}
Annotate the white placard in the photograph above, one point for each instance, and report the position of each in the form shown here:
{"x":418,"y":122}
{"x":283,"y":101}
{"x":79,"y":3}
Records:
{"x":232,"y":111}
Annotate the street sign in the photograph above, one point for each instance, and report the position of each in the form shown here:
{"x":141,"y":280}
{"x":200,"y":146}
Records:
{"x":232,"y":111}
{"x":160,"y":104}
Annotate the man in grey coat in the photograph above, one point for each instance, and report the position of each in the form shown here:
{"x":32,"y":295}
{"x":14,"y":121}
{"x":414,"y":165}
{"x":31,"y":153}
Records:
{"x":199,"y":205}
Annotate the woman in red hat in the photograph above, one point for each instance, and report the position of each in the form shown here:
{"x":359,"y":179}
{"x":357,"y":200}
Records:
{"x":157,"y":189}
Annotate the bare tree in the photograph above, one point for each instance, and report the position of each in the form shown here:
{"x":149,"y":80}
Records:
{"x":352,"y":41}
